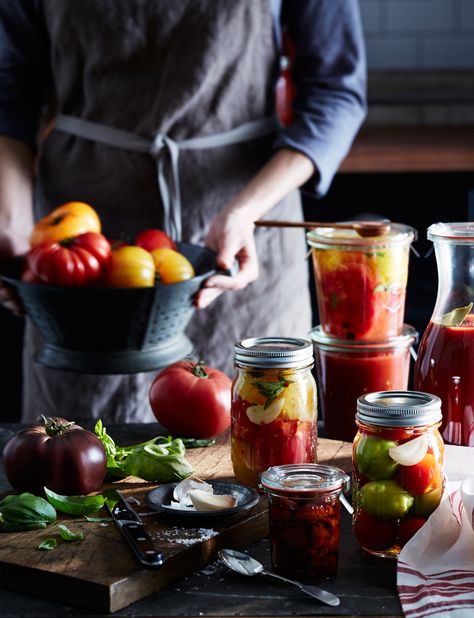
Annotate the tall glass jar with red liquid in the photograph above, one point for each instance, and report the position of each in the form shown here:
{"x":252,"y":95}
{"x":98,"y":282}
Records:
{"x":445,"y":364}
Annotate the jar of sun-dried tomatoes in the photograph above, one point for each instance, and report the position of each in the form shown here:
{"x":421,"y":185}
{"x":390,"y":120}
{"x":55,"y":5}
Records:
{"x":274,"y":406}
{"x":398,"y":468}
{"x":304,"y":514}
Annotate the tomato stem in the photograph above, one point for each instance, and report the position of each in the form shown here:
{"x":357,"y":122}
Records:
{"x":54,"y":427}
{"x":199,"y":369}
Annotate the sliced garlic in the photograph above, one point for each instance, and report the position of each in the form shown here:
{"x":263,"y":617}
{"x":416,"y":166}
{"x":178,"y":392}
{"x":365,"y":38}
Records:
{"x":182,"y":489}
{"x":410,"y":453}
{"x":261,"y":416}
{"x":204,"y":501}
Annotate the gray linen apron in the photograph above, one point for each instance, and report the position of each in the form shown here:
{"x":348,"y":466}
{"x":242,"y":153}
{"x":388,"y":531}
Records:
{"x":183,"y":69}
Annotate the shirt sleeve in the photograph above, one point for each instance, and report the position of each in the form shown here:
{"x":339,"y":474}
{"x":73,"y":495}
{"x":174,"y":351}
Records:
{"x":23,"y":68}
{"x":329,"y":72}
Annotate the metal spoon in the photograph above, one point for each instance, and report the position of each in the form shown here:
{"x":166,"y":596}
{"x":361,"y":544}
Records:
{"x":363,"y":228}
{"x":246,"y":565}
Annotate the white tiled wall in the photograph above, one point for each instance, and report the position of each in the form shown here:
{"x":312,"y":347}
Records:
{"x":419,"y":34}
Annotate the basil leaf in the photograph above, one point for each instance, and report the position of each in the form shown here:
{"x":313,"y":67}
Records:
{"x":107,"y":442}
{"x":68,"y":535}
{"x":455,"y":317}
{"x":271,"y":390}
{"x":98,"y":519}
{"x":197,"y":442}
{"x":48,"y":544}
{"x":25,"y":512}
{"x":151,"y":464}
{"x":75,"y":505}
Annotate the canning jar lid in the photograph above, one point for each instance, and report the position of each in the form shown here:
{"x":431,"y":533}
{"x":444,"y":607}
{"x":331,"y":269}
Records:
{"x":323,"y":341}
{"x":270,"y":352}
{"x":331,"y":237}
{"x":457,"y":232}
{"x":399,"y":408}
{"x":305,"y":478}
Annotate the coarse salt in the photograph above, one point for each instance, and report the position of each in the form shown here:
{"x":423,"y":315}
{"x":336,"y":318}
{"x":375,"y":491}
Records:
{"x":188,"y":536}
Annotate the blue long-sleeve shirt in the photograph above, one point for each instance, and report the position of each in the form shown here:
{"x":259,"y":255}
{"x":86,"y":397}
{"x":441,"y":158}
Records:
{"x":329,"y":72}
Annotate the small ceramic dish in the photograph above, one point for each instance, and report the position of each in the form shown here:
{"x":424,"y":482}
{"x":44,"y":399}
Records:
{"x":159,"y":500}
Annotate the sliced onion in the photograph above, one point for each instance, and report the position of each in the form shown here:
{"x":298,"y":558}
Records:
{"x":260,"y":415}
{"x":410,"y":453}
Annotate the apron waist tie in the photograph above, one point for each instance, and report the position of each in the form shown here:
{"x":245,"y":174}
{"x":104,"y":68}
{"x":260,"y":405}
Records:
{"x":165,"y":151}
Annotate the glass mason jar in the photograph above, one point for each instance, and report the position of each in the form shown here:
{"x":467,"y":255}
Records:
{"x":445,"y":364}
{"x":361,"y":367}
{"x":274,"y":406}
{"x":398,"y":468}
{"x":361,"y":282}
{"x":304,"y":516}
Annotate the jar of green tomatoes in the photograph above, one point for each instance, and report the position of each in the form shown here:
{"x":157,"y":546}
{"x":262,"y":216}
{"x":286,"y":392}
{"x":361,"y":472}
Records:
{"x":398,"y":468}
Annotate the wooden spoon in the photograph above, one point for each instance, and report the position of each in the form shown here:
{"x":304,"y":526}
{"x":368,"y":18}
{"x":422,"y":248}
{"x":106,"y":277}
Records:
{"x":363,"y":228}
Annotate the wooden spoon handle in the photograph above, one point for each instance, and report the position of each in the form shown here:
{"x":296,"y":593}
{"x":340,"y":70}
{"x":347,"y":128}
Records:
{"x":306,"y":224}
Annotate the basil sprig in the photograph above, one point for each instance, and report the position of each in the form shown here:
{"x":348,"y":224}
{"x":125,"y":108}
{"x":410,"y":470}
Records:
{"x":161,"y":459}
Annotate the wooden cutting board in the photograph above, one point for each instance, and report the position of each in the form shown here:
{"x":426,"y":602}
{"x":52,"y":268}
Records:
{"x":101,"y":573}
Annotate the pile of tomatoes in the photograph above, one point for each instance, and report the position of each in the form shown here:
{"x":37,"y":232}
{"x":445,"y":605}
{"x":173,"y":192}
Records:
{"x":68,"y":249}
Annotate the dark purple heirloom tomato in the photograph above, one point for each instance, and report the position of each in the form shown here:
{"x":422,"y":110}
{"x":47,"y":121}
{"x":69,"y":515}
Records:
{"x":57,"y":454}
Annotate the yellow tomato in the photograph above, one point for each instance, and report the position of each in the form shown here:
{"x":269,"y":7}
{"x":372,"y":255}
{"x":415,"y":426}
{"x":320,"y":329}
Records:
{"x":66,"y":221}
{"x":130,"y":267}
{"x":171,"y":266}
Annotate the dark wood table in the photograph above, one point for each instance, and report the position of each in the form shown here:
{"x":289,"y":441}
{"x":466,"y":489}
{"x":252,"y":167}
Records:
{"x":366,"y":585}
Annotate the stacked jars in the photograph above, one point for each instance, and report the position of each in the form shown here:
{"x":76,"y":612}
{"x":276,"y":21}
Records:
{"x":362,"y":344}
{"x":274,"y":406}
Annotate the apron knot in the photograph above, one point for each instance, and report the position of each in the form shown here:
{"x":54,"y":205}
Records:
{"x":165,"y":151}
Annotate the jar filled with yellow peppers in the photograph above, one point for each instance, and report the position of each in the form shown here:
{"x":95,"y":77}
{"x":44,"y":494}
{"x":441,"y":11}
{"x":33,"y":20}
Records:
{"x":274,"y":406}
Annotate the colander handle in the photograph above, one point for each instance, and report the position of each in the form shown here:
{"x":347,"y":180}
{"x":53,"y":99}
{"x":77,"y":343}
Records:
{"x":230,"y":272}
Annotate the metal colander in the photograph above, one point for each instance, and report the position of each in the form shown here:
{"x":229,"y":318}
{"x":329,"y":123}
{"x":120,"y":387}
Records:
{"x":113,"y":330}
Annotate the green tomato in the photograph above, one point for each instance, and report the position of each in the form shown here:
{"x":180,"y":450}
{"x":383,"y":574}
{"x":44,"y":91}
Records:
{"x":425,"y":504}
{"x":372,"y":458}
{"x":385,"y":499}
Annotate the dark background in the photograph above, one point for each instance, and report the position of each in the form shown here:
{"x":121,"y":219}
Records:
{"x":415,"y":199}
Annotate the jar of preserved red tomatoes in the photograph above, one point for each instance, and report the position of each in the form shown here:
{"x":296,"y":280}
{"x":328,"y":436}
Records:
{"x":398,"y":468}
{"x":304,"y":515}
{"x":361,"y":367}
{"x":274,"y":406}
{"x":361,"y":282}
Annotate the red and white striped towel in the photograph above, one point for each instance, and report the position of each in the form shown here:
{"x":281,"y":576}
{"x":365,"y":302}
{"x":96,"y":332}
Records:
{"x":435,"y":572}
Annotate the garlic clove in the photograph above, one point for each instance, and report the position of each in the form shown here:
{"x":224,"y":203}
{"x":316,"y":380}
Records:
{"x":182,"y":489}
{"x":204,"y":501}
{"x":410,"y":453}
{"x":260,"y":415}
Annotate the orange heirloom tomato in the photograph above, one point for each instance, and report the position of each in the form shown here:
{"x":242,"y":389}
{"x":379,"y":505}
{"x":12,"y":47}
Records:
{"x":130,"y":267}
{"x":171,"y":266}
{"x":66,"y":221}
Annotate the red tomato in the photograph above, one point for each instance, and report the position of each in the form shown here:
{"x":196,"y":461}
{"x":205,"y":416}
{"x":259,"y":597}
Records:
{"x":154,"y":239}
{"x":373,"y":533}
{"x":422,"y":477}
{"x":66,"y":221}
{"x":191,"y":400}
{"x":59,"y":455}
{"x":130,"y":267}
{"x":408,"y":527}
{"x":72,"y":262}
{"x":349,"y":300}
